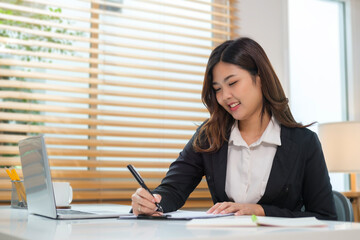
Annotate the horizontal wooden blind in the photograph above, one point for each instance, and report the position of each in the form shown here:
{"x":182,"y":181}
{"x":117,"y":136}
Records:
{"x":108,"y":83}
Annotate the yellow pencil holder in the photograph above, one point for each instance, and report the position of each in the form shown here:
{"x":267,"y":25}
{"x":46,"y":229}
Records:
{"x":18,"y":195}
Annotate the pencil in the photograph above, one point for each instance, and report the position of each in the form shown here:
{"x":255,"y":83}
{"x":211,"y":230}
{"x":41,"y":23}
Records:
{"x":19,"y":187}
{"x":22,"y":192}
{"x":10,"y":174}
{"x":15,"y":175}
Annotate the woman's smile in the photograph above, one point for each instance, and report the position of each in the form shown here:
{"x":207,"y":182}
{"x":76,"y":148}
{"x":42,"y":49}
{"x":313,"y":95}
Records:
{"x":234,"y":106}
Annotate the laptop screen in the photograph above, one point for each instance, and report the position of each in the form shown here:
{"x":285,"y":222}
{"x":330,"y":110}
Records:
{"x":37,"y":177}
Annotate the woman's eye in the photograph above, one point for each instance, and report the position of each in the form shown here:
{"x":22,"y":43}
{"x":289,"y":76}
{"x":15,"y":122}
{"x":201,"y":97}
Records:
{"x":217,"y":89}
{"x":232,"y":83}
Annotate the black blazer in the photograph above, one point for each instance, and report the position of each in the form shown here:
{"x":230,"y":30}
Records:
{"x":298,"y":178}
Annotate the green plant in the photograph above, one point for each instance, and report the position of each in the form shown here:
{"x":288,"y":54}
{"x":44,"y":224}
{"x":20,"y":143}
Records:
{"x":23,"y":35}
{"x":33,"y":48}
{"x":29,"y":36}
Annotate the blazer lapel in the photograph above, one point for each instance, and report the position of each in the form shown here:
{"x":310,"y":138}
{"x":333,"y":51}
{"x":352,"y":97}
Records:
{"x":281,"y":167}
{"x":219,"y":161}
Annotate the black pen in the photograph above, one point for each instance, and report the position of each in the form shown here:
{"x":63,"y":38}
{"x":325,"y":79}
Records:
{"x":142,"y":184}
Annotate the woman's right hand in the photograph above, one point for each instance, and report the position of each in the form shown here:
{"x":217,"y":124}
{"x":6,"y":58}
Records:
{"x":143,"y":203}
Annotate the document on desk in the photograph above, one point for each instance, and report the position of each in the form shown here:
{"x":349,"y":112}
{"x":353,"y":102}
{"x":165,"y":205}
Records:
{"x":249,"y":221}
{"x":179,"y":215}
{"x":188,"y":215}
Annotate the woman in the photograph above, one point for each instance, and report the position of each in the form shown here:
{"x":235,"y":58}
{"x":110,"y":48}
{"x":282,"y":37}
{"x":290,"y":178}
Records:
{"x":256,"y":158}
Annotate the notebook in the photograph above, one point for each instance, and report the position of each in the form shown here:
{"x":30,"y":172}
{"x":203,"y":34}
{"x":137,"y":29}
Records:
{"x":253,"y":221}
{"x":178,"y":215}
{"x":38,"y":184}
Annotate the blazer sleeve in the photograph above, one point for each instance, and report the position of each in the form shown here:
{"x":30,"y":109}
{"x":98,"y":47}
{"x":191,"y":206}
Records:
{"x":184,"y":174}
{"x":317,"y":193}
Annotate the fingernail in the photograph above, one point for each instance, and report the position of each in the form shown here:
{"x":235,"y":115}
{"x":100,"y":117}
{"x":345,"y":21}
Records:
{"x":222,"y":212}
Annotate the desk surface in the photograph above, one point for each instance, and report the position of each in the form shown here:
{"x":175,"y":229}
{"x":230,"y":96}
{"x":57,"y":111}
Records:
{"x":17,"y":224}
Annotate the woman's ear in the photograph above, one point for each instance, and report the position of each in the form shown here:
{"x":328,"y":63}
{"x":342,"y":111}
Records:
{"x":258,"y":79}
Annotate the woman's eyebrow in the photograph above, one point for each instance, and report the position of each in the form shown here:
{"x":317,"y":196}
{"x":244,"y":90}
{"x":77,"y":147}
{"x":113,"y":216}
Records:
{"x":228,"y":77}
{"x":225,"y":79}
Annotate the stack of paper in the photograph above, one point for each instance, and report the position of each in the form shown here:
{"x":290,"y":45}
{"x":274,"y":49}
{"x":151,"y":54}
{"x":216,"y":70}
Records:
{"x":179,"y":215}
{"x":248,"y":221}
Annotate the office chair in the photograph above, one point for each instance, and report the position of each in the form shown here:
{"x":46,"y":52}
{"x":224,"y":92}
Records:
{"x":343,"y":207}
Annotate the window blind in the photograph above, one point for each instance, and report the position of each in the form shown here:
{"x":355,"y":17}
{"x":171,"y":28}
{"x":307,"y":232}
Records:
{"x":108,"y":83}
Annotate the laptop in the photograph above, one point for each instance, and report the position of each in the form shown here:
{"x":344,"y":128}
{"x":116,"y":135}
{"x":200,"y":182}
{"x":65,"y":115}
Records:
{"x":38,"y":185}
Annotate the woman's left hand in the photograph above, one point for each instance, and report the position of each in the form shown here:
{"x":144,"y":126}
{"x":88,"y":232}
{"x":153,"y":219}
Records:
{"x":237,"y":208}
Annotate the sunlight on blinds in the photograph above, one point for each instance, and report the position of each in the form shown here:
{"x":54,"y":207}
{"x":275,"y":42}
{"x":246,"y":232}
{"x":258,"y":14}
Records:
{"x":108,"y":83}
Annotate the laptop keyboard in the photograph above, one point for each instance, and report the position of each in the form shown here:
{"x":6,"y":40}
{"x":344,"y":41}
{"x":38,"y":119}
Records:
{"x":72,"y":212}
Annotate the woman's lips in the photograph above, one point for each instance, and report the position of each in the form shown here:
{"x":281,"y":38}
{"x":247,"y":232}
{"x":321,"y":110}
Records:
{"x":234,"y":106}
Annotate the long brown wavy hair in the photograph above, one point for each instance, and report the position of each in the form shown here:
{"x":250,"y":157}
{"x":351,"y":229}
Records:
{"x":250,"y":56}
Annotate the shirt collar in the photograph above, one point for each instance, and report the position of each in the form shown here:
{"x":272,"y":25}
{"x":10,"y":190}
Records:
{"x":235,"y":136}
{"x":271,"y":135}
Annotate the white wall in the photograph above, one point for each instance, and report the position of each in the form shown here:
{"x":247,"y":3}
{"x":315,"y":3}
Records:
{"x":353,"y":17}
{"x":265,"y":21}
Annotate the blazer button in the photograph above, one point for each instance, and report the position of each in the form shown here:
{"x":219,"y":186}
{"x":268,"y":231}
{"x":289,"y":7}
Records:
{"x":208,"y":177}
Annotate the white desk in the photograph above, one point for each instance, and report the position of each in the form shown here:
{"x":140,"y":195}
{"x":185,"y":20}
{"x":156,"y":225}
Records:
{"x":17,"y":224}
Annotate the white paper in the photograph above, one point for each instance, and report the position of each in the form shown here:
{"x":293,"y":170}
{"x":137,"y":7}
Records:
{"x":183,"y":215}
{"x":241,"y":221}
{"x":246,"y":221}
{"x":194,"y":215}
{"x":290,"y":222}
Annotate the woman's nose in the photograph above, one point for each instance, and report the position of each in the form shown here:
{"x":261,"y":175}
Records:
{"x":226,"y":94}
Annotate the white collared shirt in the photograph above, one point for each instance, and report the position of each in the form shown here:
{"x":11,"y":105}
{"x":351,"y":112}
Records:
{"x":248,"y":167}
